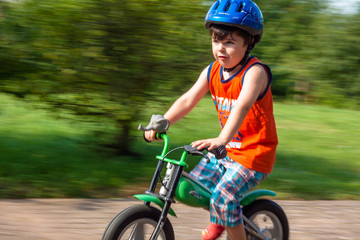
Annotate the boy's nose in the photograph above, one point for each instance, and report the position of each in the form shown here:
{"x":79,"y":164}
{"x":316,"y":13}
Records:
{"x":221,"y":47}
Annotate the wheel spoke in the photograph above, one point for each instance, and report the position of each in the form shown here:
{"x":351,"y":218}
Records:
{"x":268,"y":222}
{"x":269,"y":218}
{"x":144,"y":221}
{"x":138,"y":232}
{"x":274,"y":233}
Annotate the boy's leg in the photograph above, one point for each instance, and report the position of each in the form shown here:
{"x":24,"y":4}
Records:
{"x":229,"y":181}
{"x":208,"y":174}
{"x":225,"y":201}
{"x":236,"y":233}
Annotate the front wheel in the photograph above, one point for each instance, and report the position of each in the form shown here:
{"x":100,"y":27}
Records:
{"x":137,"y":223}
{"x":269,"y":217}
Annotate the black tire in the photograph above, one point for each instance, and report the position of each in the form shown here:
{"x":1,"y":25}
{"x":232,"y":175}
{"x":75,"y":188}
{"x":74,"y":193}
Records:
{"x":131,"y":218}
{"x":261,"y":211}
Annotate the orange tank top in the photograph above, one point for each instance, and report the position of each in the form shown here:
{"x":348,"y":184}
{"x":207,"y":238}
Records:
{"x":254,"y":145}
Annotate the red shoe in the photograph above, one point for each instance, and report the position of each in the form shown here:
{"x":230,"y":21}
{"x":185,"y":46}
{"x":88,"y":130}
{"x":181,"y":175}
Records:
{"x":212,"y":232}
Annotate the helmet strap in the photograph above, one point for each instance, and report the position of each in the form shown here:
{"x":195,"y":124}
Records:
{"x":242,"y":62}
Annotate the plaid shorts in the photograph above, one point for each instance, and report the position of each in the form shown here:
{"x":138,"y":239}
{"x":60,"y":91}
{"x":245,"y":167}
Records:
{"x":228,"y":181}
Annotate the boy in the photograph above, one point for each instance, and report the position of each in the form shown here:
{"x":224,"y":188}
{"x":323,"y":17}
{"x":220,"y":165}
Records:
{"x":240,"y":88}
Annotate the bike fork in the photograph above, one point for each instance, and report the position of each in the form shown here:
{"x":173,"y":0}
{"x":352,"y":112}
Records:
{"x":168,"y":200}
{"x":161,"y":221}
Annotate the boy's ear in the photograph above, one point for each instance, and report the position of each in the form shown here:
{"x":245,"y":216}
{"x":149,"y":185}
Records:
{"x":251,"y":43}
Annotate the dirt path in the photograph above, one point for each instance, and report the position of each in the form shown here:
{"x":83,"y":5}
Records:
{"x":80,"y":219}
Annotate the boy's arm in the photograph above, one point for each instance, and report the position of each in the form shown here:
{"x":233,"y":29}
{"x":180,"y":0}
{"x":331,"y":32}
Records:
{"x":255,"y":83}
{"x":184,"y":104}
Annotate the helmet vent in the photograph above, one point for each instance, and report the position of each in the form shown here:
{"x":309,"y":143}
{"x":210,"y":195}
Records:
{"x":227,"y":6}
{"x":240,"y":8}
{"x":216,"y":5}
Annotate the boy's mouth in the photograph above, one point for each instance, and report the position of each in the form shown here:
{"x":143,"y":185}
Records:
{"x":222,"y":58}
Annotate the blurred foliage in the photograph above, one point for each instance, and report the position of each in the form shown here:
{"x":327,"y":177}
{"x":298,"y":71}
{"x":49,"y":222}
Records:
{"x":110,"y":60}
{"x":317,"y":157}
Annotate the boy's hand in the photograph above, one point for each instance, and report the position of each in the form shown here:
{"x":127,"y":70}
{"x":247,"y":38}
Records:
{"x":150,"y":136}
{"x":211,"y":143}
{"x":158,"y":124}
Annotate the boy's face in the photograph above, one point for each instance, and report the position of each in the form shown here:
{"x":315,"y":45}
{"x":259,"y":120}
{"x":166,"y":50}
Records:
{"x":229,"y":51}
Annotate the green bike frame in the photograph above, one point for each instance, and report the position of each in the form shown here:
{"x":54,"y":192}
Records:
{"x":185,"y":189}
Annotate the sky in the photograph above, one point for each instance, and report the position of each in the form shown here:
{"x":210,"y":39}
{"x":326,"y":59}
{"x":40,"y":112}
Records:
{"x":349,"y":6}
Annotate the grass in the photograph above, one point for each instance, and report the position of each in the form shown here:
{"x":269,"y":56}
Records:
{"x":318,"y":154}
{"x":43,"y":156}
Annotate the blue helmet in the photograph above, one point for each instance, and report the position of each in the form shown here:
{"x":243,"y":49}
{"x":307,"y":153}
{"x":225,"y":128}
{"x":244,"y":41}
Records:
{"x":244,"y":14}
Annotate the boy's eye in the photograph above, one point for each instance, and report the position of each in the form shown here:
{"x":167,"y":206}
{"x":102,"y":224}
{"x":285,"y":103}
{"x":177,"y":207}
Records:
{"x":229,"y":42}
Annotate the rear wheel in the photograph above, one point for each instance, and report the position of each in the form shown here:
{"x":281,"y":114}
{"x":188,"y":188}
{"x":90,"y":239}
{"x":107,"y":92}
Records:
{"x":137,"y":223}
{"x":269,"y":217}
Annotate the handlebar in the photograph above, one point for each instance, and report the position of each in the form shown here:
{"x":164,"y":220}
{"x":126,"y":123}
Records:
{"x":219,"y":152}
{"x":160,"y":125}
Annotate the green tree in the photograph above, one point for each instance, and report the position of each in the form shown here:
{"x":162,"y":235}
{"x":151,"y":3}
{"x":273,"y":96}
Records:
{"x":104,"y":59}
{"x":109,"y":60}
{"x":337,"y":79}
{"x":287,"y":44}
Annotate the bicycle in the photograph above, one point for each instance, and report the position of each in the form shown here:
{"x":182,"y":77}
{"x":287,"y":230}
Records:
{"x":263,"y":218}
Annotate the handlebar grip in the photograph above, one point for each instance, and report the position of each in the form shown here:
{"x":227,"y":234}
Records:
{"x":219,"y":152}
{"x":157,"y":136}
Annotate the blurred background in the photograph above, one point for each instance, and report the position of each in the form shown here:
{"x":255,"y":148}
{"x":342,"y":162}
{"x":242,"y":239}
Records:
{"x":78,"y":76}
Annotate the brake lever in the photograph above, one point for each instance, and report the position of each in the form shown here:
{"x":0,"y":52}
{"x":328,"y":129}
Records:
{"x":194,"y":151}
{"x":219,"y":152}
